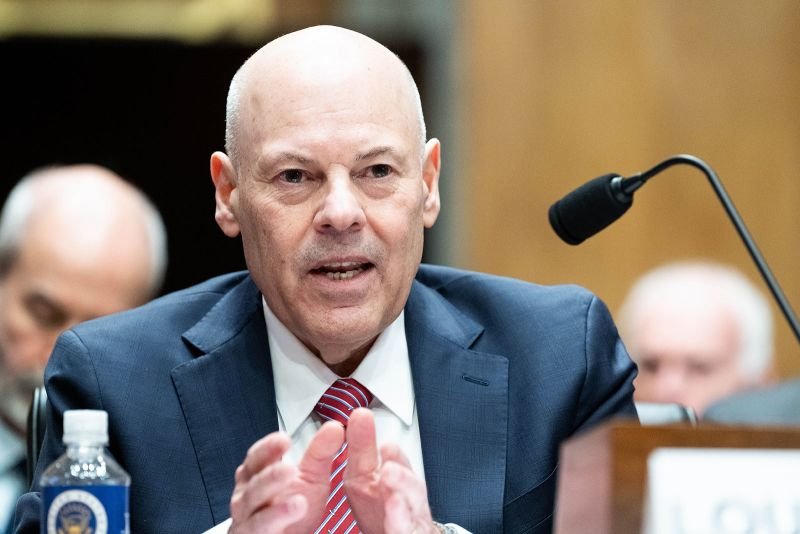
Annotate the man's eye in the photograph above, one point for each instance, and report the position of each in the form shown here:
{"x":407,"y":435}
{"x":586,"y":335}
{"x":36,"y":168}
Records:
{"x":648,"y":366}
{"x":292,"y":176}
{"x":45,"y":312}
{"x":700,"y":368}
{"x":379,"y":171}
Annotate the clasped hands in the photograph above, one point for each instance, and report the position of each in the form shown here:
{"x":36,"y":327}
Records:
{"x":385,"y":495}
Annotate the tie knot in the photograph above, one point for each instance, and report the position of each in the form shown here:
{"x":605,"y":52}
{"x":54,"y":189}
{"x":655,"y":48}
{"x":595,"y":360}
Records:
{"x":339,"y":400}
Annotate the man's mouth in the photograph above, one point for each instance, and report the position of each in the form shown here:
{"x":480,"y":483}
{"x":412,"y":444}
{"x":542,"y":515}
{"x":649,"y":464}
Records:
{"x":342,"y":270}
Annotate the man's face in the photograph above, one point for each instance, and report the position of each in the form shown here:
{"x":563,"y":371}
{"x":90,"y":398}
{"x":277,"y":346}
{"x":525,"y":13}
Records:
{"x":332,"y":208}
{"x":687,"y":356}
{"x":53,"y":283}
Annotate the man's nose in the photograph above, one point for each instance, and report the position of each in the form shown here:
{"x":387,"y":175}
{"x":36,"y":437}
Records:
{"x":341,"y":210}
{"x":670,"y":385}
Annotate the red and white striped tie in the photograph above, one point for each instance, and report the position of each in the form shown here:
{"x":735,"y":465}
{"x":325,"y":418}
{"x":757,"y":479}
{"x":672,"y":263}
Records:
{"x":336,"y":404}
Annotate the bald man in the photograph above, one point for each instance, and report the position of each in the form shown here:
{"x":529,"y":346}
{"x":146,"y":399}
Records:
{"x":76,"y":242}
{"x":338,"y":385}
{"x":700,"y":331}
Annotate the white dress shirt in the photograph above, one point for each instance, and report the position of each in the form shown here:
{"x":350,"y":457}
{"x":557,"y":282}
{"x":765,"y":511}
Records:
{"x":12,"y":482}
{"x":301,"y":378}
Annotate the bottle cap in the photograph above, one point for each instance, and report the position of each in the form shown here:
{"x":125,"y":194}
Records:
{"x":85,"y":426}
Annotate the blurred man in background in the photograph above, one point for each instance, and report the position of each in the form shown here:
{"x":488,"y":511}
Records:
{"x":76,"y":242}
{"x":699,"y":332}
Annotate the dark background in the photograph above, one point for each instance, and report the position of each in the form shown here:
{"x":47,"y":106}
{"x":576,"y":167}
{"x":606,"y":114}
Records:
{"x":152,"y":111}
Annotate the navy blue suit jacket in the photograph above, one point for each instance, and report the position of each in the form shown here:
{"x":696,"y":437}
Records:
{"x":503,"y":372}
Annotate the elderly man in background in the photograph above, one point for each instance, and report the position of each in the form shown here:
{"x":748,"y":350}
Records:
{"x":699,"y":332}
{"x":76,"y":242}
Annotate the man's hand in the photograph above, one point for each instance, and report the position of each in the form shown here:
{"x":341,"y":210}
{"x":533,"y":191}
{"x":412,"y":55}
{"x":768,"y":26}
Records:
{"x":271,"y":496}
{"x":384,"y":493}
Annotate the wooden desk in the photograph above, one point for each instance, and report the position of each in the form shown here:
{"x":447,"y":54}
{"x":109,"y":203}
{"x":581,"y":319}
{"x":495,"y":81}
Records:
{"x":603,"y":473}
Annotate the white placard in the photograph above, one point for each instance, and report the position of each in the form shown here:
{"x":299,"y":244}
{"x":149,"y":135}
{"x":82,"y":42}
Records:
{"x":722,"y":491}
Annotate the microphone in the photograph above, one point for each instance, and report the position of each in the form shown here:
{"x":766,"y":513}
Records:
{"x":599,"y":202}
{"x":592,"y":207}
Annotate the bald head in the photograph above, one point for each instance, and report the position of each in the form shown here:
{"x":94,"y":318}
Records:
{"x":85,"y":208}
{"x":76,"y":243}
{"x":699,"y":331}
{"x":332,"y":67}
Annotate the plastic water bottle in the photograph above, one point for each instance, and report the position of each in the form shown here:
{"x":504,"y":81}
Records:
{"x":85,"y":490}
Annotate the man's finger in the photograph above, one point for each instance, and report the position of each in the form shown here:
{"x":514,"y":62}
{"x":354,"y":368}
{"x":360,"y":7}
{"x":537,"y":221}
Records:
{"x":398,"y":481}
{"x":397,"y":516}
{"x":390,"y":452}
{"x":262,"y":453}
{"x":315,"y":466}
{"x":362,"y":445}
{"x":263,"y":489}
{"x":398,"y":478}
{"x":397,"y":475}
{"x":275,"y":519}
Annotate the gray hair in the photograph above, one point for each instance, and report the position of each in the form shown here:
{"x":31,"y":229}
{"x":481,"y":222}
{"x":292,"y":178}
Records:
{"x":749,"y":308}
{"x":232,"y":116}
{"x":19,"y":206}
{"x":15,"y":212}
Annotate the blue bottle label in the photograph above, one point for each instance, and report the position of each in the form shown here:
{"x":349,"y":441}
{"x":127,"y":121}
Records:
{"x":85,"y":510}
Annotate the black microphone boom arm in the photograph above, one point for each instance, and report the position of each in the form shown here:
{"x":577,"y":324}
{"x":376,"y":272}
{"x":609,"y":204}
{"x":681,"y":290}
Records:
{"x":631,"y":184}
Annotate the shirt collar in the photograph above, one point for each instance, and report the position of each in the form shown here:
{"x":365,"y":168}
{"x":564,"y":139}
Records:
{"x":301,"y":378}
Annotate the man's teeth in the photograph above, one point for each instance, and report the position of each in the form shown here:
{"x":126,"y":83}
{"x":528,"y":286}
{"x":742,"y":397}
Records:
{"x":343,"y":276}
{"x":342,"y":270}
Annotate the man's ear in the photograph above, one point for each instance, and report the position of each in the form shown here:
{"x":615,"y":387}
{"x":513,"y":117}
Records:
{"x":225,"y":180}
{"x":430,"y":177}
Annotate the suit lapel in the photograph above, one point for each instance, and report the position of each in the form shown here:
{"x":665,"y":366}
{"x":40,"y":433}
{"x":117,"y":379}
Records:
{"x":462,"y":403}
{"x":461,"y":397}
{"x":227,"y":393}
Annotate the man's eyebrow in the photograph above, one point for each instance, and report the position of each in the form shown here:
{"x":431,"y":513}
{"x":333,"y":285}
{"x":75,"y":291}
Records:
{"x":282,"y":157}
{"x":37,"y":297}
{"x":377,"y":151}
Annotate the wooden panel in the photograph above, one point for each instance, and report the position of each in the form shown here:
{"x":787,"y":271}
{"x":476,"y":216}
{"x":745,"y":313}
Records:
{"x":603,"y":472}
{"x":195,"y":21}
{"x":557,"y":93}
